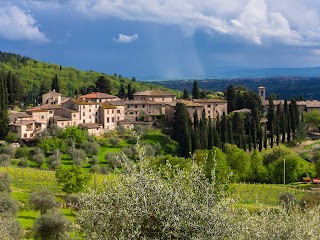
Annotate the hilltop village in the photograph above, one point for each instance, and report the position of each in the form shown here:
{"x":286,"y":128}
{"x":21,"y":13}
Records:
{"x":99,"y":112}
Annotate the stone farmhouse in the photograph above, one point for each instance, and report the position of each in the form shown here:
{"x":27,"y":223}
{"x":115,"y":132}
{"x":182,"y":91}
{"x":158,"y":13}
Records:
{"x":100,"y":112}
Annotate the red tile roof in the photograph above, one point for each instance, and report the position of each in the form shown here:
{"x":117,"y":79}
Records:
{"x":96,"y":95}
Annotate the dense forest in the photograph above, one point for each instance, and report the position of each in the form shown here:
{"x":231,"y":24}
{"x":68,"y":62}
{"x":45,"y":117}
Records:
{"x":36,"y":78}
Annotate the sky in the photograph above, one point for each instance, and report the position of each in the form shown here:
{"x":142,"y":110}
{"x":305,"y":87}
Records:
{"x":163,"y":38}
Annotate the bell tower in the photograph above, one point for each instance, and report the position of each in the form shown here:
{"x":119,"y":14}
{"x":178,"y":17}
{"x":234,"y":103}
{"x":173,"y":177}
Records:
{"x":262,"y":94}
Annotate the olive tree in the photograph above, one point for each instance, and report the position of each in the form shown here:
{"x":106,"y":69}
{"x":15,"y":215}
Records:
{"x":42,"y":201}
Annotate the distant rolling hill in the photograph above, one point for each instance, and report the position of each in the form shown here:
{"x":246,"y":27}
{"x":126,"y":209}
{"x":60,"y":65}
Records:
{"x":283,"y":86}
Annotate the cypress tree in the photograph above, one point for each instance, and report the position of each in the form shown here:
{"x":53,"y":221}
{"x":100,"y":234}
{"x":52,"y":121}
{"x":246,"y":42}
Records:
{"x":284,"y":127}
{"x":122,"y":91}
{"x":250,"y":142}
{"x":244,"y":142}
{"x":195,"y":120}
{"x":55,"y":83}
{"x":231,"y":97}
{"x":265,"y":142}
{"x":185,"y":94}
{"x":288,"y":128}
{"x":272,"y":133}
{"x":210,"y":134}
{"x":4,"y":121}
{"x":224,"y":128}
{"x":130,"y":97}
{"x":260,"y":140}
{"x":195,"y":90}
{"x":270,"y":114}
{"x":182,"y":129}
{"x":230,"y":132}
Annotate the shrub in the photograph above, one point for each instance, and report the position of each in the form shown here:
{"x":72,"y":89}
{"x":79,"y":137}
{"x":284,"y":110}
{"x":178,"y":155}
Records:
{"x":288,"y":199}
{"x":94,"y":160}
{"x":5,"y":182}
{"x":23,"y":162}
{"x":114,"y":141}
{"x":9,"y":150}
{"x":22,"y":152}
{"x":10,"y":228}
{"x":5,"y":160}
{"x":72,"y":179}
{"x":53,"y":162}
{"x":95,"y":168}
{"x":42,"y":201}
{"x":113,"y":160}
{"x":311,"y":200}
{"x":8,"y":206}
{"x":52,"y":225}
{"x":91,"y":148}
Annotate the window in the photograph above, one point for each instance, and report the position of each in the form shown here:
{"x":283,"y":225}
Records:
{"x":143,"y":106}
{"x":131,"y":113}
{"x":112,"y":111}
{"x":84,"y":121}
{"x":96,"y":113}
{"x":108,"y":111}
{"x":50,"y":112}
{"x":83,"y":113}
{"x":112,"y":119}
{"x":108,"y":119}
{"x":209,"y":106}
{"x":89,"y":110}
{"x":172,"y":98}
{"x":31,"y":134}
{"x":84,"y":106}
{"x":135,"y":106}
{"x":118,"y":118}
{"x":118,"y":111}
{"x":162,"y":98}
{"x":90,"y":117}
{"x":25,"y":135}
{"x":74,"y":115}
{"x":62,"y":123}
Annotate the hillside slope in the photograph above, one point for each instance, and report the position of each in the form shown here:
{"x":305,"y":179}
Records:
{"x":33,"y":72}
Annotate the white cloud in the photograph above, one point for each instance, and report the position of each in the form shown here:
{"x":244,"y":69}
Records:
{"x":122,"y":38}
{"x":258,"y":21}
{"x":15,"y":24}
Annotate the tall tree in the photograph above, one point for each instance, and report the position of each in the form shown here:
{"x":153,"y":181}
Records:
{"x":185,"y":94}
{"x":55,"y":86}
{"x":122,"y":91}
{"x":181,"y":129}
{"x":130,"y":97}
{"x":271,"y":114}
{"x":103,"y":85}
{"x":4,"y":121}
{"x":210,"y":134}
{"x":231,"y":97}
{"x":195,"y":90}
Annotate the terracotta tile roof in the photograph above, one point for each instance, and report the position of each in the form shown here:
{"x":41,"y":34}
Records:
{"x":107,"y":105}
{"x":96,"y":95}
{"x":84,"y":102}
{"x":146,"y":102}
{"x":20,"y":114}
{"x":20,"y":123}
{"x":186,"y":102}
{"x":60,"y":118}
{"x":157,"y":92}
{"x":210,"y":100}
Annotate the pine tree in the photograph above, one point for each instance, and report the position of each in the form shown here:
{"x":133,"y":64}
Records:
{"x":103,"y":85}
{"x":195,"y":90}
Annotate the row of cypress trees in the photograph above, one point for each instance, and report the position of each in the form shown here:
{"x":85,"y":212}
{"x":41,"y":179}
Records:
{"x":246,"y":130}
